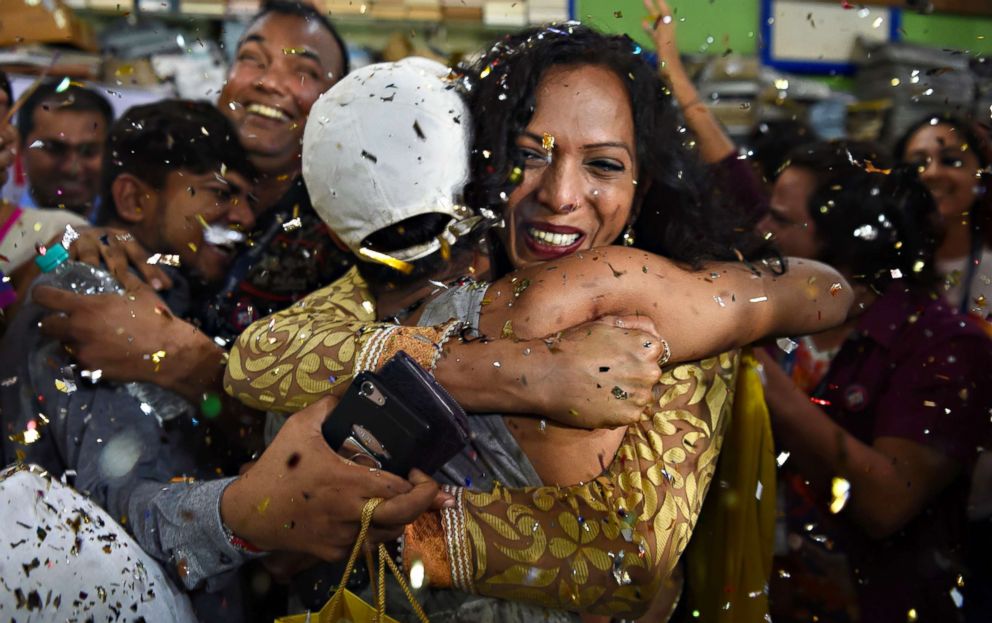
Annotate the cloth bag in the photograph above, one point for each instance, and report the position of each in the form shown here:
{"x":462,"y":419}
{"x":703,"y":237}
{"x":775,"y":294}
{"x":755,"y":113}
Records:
{"x":347,"y":607}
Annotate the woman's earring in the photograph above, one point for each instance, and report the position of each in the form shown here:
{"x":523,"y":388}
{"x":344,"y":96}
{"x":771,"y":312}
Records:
{"x":628,"y":236}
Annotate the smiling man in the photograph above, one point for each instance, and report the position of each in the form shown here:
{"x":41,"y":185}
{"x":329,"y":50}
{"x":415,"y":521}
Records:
{"x":288,"y":55}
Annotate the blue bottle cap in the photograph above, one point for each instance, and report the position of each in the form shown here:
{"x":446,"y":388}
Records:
{"x":54,"y":256}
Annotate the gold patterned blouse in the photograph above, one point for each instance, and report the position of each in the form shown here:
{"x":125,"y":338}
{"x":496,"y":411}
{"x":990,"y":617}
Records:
{"x":603,"y":547}
{"x":292,"y":358}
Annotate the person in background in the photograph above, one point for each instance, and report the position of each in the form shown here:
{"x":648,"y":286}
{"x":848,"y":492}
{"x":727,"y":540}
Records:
{"x":771,"y":142}
{"x":952,"y":156}
{"x":63,"y":128}
{"x":882,"y":417}
{"x":20,"y":230}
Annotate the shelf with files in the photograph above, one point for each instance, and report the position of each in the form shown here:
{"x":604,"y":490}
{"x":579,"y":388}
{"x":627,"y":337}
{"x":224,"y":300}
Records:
{"x":447,"y":35}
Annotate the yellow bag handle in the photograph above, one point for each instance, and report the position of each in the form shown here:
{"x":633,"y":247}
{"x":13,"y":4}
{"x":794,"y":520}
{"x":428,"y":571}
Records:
{"x":384,"y":559}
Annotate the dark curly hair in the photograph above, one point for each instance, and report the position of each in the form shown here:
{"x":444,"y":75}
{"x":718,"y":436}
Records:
{"x":977,"y":138}
{"x":876,"y":223}
{"x":680,"y":217}
{"x":153,"y":140}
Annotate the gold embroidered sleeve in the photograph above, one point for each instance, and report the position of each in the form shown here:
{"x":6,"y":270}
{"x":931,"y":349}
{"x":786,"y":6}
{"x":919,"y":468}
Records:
{"x":605,"y":546}
{"x":313,"y":348}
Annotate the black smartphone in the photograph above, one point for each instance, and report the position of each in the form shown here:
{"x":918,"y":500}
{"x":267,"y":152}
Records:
{"x":397,"y":419}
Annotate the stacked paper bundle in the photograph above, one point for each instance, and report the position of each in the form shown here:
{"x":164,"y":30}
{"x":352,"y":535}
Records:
{"x":462,"y":9}
{"x":427,"y":10}
{"x":544,"y":11}
{"x":504,"y":13}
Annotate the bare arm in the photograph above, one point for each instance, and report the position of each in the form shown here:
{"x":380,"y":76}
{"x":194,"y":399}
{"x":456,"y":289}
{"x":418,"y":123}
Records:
{"x":736,"y":306}
{"x":714,"y":144}
{"x":913,"y":456}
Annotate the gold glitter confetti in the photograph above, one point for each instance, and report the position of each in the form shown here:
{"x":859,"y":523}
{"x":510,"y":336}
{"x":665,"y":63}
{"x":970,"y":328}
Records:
{"x":507,"y":331}
{"x":157,"y":358}
{"x":404,"y":267}
{"x":547,"y":142}
{"x":519,"y":286}
{"x":263,"y":505}
{"x":840,"y":491}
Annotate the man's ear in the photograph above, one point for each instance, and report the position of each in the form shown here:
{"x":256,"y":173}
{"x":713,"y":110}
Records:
{"x":132,"y":198}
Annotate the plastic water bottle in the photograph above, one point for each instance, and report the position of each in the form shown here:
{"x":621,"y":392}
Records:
{"x":60,"y":272}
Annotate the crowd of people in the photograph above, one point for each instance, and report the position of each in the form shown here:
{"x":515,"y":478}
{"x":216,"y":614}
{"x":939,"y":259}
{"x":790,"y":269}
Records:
{"x":700,"y":386}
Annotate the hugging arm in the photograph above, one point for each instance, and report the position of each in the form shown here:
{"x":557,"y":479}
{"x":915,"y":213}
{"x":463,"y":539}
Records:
{"x":736,"y":305}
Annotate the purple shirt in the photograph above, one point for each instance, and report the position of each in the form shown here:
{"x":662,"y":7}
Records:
{"x":917,"y":370}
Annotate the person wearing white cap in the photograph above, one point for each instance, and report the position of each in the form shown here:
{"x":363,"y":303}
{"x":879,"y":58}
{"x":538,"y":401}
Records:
{"x":311,"y":349}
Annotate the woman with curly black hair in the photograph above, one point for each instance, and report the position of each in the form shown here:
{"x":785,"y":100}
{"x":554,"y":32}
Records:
{"x":671,"y":207}
{"x":563,"y":517}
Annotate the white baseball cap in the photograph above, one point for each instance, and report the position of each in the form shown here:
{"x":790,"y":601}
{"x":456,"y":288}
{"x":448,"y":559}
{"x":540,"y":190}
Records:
{"x":388,"y":142}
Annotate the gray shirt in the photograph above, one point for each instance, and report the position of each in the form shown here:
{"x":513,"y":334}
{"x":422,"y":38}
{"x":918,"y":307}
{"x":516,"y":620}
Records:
{"x":157,"y":478}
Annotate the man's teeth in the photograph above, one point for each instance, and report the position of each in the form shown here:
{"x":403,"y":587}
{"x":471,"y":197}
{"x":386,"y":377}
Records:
{"x":267,"y":111}
{"x":554,"y":239}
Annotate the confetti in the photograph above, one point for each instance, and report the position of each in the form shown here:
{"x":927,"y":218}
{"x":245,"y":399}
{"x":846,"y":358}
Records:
{"x":221,"y":236}
{"x":787,"y":344}
{"x":840,"y":491}
{"x":507,"y":331}
{"x":548,"y":142}
{"x":619,"y":393}
{"x":759,"y":299}
{"x":782,"y":458}
{"x":835,"y":288}
{"x":167,"y":259}
{"x":263,"y":506}
{"x":292,"y":224}
{"x":70,"y":236}
{"x":417,"y":574}
{"x":157,"y":358}
{"x":620,"y":575}
{"x":519,"y":286}
{"x":404,"y":267}
{"x":120,"y":455}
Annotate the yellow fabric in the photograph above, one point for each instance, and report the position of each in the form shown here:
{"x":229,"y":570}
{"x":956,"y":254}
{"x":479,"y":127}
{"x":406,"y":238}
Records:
{"x":730,"y":557}
{"x":350,"y":609}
